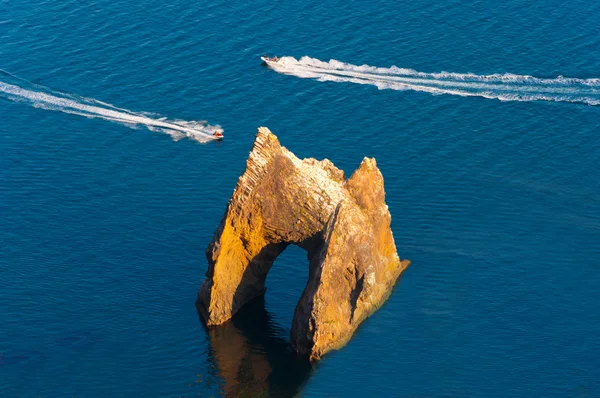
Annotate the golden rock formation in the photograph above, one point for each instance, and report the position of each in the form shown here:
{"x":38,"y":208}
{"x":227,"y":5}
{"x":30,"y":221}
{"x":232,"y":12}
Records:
{"x":343,"y":224}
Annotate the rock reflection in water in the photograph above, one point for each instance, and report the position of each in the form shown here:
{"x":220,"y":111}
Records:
{"x":253,"y":355}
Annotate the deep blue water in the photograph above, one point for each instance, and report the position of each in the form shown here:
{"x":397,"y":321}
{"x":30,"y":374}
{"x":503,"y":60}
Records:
{"x":103,"y":228}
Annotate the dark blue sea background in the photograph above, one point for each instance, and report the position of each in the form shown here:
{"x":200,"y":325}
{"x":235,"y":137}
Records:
{"x":103,"y":227}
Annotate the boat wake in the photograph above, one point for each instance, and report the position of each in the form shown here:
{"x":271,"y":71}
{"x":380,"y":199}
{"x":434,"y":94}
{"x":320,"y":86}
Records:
{"x":504,"y":87}
{"x":19,"y":90}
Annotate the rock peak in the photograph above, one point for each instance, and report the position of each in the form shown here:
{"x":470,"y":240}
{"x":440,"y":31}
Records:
{"x":344,"y":225}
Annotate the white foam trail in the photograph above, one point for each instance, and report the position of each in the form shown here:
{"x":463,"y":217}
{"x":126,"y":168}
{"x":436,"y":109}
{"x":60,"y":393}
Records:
{"x":41,"y":97}
{"x":505,"y":87}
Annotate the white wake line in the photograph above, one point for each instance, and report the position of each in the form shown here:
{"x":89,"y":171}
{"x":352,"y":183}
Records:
{"x":504,"y":87}
{"x":198,"y":131}
{"x":450,"y":83}
{"x":334,"y":65}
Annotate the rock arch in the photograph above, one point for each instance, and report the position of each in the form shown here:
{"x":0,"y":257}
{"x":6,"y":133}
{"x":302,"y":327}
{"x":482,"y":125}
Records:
{"x":343,"y":224}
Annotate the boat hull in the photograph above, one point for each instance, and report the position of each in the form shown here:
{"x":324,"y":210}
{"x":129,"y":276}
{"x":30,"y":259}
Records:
{"x":269,"y":62}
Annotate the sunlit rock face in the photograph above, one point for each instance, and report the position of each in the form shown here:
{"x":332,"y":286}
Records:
{"x":343,"y":224}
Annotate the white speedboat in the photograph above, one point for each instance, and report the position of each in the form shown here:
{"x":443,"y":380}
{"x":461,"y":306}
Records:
{"x":217,"y":135}
{"x":271,"y":61}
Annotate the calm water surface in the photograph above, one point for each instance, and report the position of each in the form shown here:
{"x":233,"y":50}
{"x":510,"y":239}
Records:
{"x":103,"y":227}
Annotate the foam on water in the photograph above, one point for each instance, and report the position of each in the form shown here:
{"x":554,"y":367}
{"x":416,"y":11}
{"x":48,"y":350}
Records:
{"x":505,"y":87}
{"x":20,"y":90}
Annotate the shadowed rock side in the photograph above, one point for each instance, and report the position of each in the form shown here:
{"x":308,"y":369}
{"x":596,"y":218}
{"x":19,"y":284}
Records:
{"x":344,"y":225}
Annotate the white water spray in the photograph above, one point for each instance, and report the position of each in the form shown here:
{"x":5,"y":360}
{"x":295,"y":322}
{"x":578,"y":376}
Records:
{"x":41,"y":97}
{"x":504,"y":87}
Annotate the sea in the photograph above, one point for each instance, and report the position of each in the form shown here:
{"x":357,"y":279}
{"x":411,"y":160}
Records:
{"x":483,"y":117}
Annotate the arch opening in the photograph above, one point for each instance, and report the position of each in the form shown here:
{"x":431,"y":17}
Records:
{"x":285,"y":285}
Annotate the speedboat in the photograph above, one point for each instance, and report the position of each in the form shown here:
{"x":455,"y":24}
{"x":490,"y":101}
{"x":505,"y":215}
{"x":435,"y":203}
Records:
{"x":270,"y":61}
{"x":217,"y":135}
